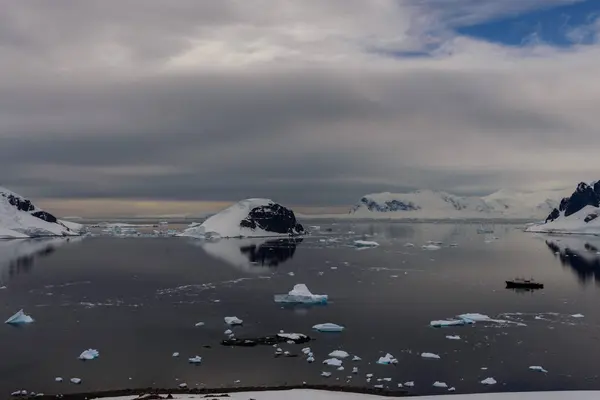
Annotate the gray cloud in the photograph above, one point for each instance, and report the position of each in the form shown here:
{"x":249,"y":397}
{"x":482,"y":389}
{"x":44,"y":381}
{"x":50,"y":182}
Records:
{"x":218,"y":101}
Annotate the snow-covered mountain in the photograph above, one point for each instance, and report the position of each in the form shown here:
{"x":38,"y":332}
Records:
{"x":428,"y":204}
{"x":20,"y":218}
{"x":248,"y":218}
{"x":578,"y":213}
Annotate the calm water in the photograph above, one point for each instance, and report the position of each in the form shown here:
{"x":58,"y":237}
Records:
{"x":137,"y":300}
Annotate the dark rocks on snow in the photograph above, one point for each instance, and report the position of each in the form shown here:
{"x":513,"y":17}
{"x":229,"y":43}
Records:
{"x":590,"y":217}
{"x":273,"y":218}
{"x":45,"y":216}
{"x":388,"y":206}
{"x":584,"y":195}
{"x":26,"y":205}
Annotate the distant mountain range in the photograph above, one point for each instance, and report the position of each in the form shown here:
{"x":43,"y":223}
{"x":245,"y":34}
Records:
{"x":428,"y":204}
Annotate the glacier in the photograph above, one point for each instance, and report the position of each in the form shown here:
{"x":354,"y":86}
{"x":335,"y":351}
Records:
{"x":301,"y":295}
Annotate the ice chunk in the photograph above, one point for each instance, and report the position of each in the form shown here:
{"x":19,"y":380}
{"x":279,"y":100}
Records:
{"x":430,"y":247}
{"x":76,"y":381}
{"x":199,"y":324}
{"x":328,"y":327}
{"x":195,"y":360}
{"x":365,"y":243}
{"x":19,"y":393}
{"x":577,"y":315}
{"x":301,"y":294}
{"x":387,"y":379}
{"x":472,"y":318}
{"x":537,"y":368}
{"x":89,"y":354}
{"x":430,"y":355}
{"x":355,"y":370}
{"x":233,"y":321}
{"x":228,"y":332}
{"x":453,"y":337}
{"x":291,"y":273}
{"x":378,"y":386}
{"x":452,"y":389}
{"x":489,"y":381}
{"x":326,"y":374}
{"x":444,"y":323}
{"x":294,"y":337}
{"x":339,"y":354}
{"x":306,"y":350}
{"x":439,"y":384}
{"x":175,"y":354}
{"x":409,"y":245}
{"x":356,"y":358}
{"x":333,"y":362}
{"x":409,"y":384}
{"x":58,"y":379}
{"x":19,"y":318}
{"x":387,"y":359}
{"x":340,"y":369}
{"x":310,"y":359}
{"x":183,"y":385}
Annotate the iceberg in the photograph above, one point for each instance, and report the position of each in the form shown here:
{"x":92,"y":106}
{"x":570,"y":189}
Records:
{"x":176,"y":354}
{"x":387,"y":360}
{"x":76,"y":381}
{"x":537,"y":368}
{"x":326,"y":374}
{"x":409,"y":384}
{"x":439,"y":384}
{"x":489,"y":381}
{"x":328,"y":327}
{"x":195,"y":360}
{"x":233,"y":321}
{"x":355,"y":370}
{"x":339,"y":354}
{"x":453,"y":337}
{"x":356,"y":358}
{"x":430,"y":355}
{"x":365,"y":243}
{"x":444,"y":323}
{"x":58,"y":379}
{"x":301,"y":295}
{"x":89,"y":354}
{"x":577,"y":315}
{"x":19,"y":318}
{"x":333,"y":362}
{"x":430,"y":247}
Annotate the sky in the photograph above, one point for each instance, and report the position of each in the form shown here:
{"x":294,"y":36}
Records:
{"x":170,"y":107}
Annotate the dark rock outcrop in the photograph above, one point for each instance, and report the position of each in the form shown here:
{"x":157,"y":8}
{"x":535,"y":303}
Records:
{"x":22,"y":204}
{"x":388,"y":206}
{"x":273,"y":218}
{"x":584,"y":195}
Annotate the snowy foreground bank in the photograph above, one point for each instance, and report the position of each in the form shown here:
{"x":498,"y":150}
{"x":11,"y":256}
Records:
{"x":302,"y":394}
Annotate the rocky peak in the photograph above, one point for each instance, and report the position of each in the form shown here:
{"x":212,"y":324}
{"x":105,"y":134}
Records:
{"x":584,"y":195}
{"x":272,"y":218}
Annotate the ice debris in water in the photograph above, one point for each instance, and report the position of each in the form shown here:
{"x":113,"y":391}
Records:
{"x":199,"y":324}
{"x":452,"y":389}
{"x":356,"y":358}
{"x":328,"y":327}
{"x":195,"y":360}
{"x":444,"y":323}
{"x":409,"y":245}
{"x":183,"y":385}
{"x":378,"y":386}
{"x":310,"y":359}
{"x":537,"y":368}
{"x":19,"y":318}
{"x":89,"y":354}
{"x":339,"y":354}
{"x":291,"y":273}
{"x":489,"y":381}
{"x":340,"y":368}
{"x":19,"y":393}
{"x":301,"y":294}
{"x":387,"y":359}
{"x":453,"y":337}
{"x":58,"y":379}
{"x":76,"y":381}
{"x":439,"y":384}
{"x":365,"y":243}
{"x":333,"y":362}
{"x":387,"y":379}
{"x":228,"y":332}
{"x":577,"y":315}
{"x":355,"y":370}
{"x":176,"y":354}
{"x":430,"y":247}
{"x":326,"y":374}
{"x":306,"y":350}
{"x":430,"y":355}
{"x":409,"y":384}
{"x":233,"y":321}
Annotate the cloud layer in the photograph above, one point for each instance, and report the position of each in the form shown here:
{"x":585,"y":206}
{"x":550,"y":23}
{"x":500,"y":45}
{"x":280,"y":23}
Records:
{"x":312,"y":102}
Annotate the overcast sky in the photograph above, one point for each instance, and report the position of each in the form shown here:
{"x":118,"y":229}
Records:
{"x":311,"y":103}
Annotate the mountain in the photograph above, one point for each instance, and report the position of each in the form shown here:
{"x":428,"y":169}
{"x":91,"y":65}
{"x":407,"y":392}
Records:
{"x":20,"y":218}
{"x":248,"y":218}
{"x":428,"y":204}
{"x":577,"y":213}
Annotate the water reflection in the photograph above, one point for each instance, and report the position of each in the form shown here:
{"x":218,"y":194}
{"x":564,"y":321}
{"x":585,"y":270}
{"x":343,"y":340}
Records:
{"x":18,"y":256}
{"x":252,"y":255}
{"x":580,"y":254}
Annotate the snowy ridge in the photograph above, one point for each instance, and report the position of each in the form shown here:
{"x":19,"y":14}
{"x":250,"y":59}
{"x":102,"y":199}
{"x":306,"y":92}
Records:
{"x":20,"y":218}
{"x":428,"y":204}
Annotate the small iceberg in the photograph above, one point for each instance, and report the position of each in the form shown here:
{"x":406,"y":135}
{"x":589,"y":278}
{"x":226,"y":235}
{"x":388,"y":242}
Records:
{"x":430,"y":247}
{"x":430,"y":355}
{"x":328,"y":327}
{"x":445,"y":323}
{"x":489,"y":381}
{"x":89,"y":354}
{"x":301,"y":295}
{"x":439,"y":384}
{"x":355,"y":370}
{"x":306,"y":350}
{"x":409,"y":384}
{"x":58,"y":379}
{"x":326,"y":374}
{"x":233,"y":321}
{"x":577,"y":315}
{"x":387,"y":360}
{"x":333,"y":362}
{"x":356,"y":358}
{"x":365,"y":243}
{"x":453,"y":337}
{"x":199,"y":324}
{"x":19,"y":318}
{"x":176,"y":354}
{"x":537,"y":368}
{"x":76,"y":381}
{"x":195,"y":360}
{"x":339,"y":354}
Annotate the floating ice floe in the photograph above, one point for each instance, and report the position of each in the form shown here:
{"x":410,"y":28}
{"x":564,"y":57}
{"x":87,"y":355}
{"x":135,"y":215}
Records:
{"x":333,"y":362}
{"x":310,"y":359}
{"x":326,"y":374}
{"x":195,"y":360}
{"x":19,"y":393}
{"x":537,"y":368}
{"x":355,"y":370}
{"x":199,"y":324}
{"x":306,"y":350}
{"x":446,"y":323}
{"x":356,"y":358}
{"x":228,"y":332}
{"x":453,"y":337}
{"x":76,"y":381}
{"x":89,"y":354}
{"x":58,"y":379}
{"x":233,"y":321}
{"x":365,"y":243}
{"x":328,"y":327}
{"x":430,"y":355}
{"x":430,"y":247}
{"x":340,"y":368}
{"x":452,"y":389}
{"x":577,"y":315}
{"x":387,"y":360}
{"x":488,"y":381}
{"x":378,"y":386}
{"x":339,"y":354}
{"x":387,"y":379}
{"x":409,"y":384}
{"x":369,"y":375}
{"x":183,"y":385}
{"x":19,"y":318}
{"x":301,"y":295}
{"x":439,"y":384}
{"x":291,"y":273}
{"x":175,"y":354}
{"x":409,"y":245}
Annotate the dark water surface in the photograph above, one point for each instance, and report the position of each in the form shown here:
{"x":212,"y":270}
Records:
{"x":137,"y":300}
